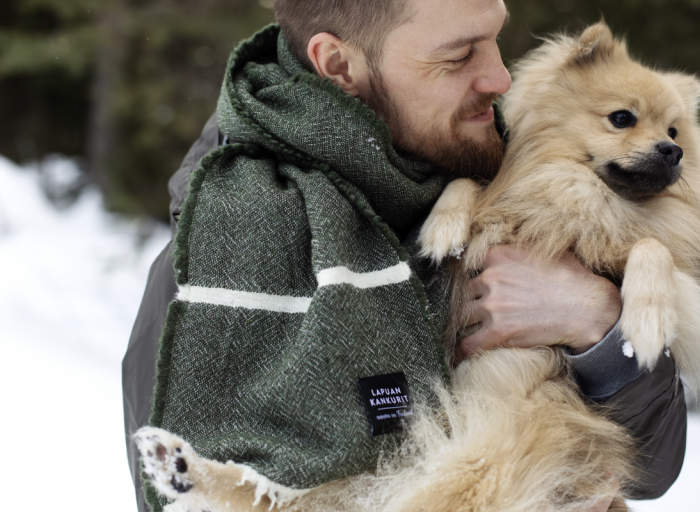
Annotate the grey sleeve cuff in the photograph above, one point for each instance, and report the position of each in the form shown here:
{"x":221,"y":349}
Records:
{"x":604,"y":370}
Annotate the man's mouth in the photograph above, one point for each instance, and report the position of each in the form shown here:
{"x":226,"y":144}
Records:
{"x":485,"y":116}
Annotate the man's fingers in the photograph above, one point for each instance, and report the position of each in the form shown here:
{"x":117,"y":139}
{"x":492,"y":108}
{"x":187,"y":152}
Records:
{"x":477,"y":315}
{"x":477,"y":324}
{"x":477,"y":287}
{"x":482,"y":339}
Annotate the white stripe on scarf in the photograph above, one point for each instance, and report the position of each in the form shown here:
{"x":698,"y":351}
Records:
{"x":343,"y":275}
{"x":247,"y":300}
{"x":287,"y":304}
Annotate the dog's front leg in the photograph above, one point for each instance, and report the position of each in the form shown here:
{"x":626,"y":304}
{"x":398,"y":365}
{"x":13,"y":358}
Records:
{"x":649,"y":317}
{"x":446,"y":229}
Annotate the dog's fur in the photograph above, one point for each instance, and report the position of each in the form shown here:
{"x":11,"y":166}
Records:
{"x":515,"y":436}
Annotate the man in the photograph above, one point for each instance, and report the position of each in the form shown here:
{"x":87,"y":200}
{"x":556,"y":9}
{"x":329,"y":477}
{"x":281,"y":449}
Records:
{"x":295,"y":255}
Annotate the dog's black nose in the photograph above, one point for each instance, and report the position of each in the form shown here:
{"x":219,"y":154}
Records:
{"x":672,"y":153}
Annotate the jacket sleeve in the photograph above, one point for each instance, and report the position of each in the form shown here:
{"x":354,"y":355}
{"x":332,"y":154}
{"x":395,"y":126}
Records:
{"x":653,"y":409}
{"x":650,"y":404}
{"x":139,"y":363}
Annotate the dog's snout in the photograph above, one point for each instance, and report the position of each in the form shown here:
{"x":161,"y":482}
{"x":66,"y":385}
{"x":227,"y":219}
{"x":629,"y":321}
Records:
{"x":672,"y":153}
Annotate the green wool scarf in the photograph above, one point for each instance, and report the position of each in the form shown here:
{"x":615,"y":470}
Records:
{"x":294,"y":261}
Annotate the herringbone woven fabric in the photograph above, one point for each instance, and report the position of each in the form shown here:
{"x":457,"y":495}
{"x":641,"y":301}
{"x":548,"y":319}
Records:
{"x":293,"y":279}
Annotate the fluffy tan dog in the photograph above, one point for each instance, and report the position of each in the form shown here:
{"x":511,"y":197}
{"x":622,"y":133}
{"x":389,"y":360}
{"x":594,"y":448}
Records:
{"x":593,"y":167}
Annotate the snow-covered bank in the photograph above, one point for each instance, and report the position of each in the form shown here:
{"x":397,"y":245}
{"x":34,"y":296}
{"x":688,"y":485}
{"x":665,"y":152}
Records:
{"x":75,"y":276}
{"x":72,"y":285}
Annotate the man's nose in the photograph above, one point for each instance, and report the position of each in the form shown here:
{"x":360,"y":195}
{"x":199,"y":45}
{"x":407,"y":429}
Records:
{"x":494,"y":78}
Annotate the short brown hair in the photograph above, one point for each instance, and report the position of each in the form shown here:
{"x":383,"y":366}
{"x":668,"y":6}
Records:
{"x":363,"y":24}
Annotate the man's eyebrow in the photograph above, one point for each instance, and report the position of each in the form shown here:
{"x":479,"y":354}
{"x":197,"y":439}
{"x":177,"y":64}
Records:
{"x":462,"y":42}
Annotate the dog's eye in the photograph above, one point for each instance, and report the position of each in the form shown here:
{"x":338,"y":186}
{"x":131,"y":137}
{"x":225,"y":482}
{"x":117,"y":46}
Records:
{"x":673,"y":133}
{"x":622,"y":119}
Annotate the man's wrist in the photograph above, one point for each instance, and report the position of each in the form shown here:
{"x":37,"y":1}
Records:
{"x":599,"y":318}
{"x":594,"y":337}
{"x":605,"y":369}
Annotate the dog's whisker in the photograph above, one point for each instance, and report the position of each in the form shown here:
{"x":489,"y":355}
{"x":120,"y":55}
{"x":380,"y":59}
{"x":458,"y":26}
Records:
{"x":632,"y":144}
{"x":630,"y":157}
{"x":585,"y":160}
{"x":685,"y":186}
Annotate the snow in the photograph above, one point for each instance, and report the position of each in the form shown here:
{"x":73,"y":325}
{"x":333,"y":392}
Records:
{"x":628,"y":349}
{"x":72,"y":285}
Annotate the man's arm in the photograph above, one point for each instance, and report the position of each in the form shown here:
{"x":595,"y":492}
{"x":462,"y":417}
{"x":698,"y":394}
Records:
{"x":651,"y":405}
{"x":521,"y":303}
{"x":139,"y":364}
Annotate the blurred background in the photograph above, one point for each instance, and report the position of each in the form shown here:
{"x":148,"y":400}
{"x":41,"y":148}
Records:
{"x":124,"y":86}
{"x":99,"y":102}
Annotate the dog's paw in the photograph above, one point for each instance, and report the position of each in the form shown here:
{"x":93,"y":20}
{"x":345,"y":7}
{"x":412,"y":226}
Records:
{"x":166,"y":460}
{"x":447,"y":228}
{"x":444,"y":233}
{"x":649,"y":330}
{"x":649,"y":317}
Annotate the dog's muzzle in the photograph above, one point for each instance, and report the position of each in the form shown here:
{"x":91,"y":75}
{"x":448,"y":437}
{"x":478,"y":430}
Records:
{"x":647,"y":176}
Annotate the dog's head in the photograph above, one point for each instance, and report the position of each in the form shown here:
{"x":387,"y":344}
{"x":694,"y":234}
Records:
{"x":634,"y":127}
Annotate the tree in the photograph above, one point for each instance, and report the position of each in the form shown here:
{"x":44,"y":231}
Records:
{"x":127,"y":84}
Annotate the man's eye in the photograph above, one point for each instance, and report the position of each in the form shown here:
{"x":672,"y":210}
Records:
{"x":623,"y":119}
{"x":462,"y":60}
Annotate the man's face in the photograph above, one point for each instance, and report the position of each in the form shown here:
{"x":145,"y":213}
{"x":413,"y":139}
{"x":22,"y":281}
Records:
{"x":438,"y":76}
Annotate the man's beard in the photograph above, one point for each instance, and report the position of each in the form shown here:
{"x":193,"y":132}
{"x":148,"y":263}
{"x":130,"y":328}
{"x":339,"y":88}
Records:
{"x":456,"y":155}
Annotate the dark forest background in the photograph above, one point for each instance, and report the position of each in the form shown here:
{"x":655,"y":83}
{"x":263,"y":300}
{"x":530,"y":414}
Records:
{"x":124,"y":86}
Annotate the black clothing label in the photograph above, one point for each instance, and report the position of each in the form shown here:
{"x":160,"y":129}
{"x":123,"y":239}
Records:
{"x":387,"y":401}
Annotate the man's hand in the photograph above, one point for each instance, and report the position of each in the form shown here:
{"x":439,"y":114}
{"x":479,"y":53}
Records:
{"x":522,"y":303}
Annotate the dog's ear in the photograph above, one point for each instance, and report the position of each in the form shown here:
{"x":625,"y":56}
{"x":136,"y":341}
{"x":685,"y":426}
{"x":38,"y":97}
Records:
{"x":689,"y":88}
{"x":597,"y":43}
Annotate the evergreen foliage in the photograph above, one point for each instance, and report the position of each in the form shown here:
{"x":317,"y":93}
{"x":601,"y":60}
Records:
{"x":127,"y":84}
{"x":124,"y":84}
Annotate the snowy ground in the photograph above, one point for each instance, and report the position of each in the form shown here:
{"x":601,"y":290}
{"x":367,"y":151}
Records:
{"x":72,"y":285}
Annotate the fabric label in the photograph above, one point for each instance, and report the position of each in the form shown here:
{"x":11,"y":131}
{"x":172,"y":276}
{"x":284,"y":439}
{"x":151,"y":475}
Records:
{"x":387,"y":401}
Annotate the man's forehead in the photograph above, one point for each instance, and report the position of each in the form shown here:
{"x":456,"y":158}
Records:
{"x":445,"y":25}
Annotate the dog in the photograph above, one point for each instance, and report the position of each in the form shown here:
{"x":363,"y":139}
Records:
{"x":513,"y":434}
{"x":602,"y":161}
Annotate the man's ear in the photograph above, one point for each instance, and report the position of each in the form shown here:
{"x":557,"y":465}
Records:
{"x":342,"y":64}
